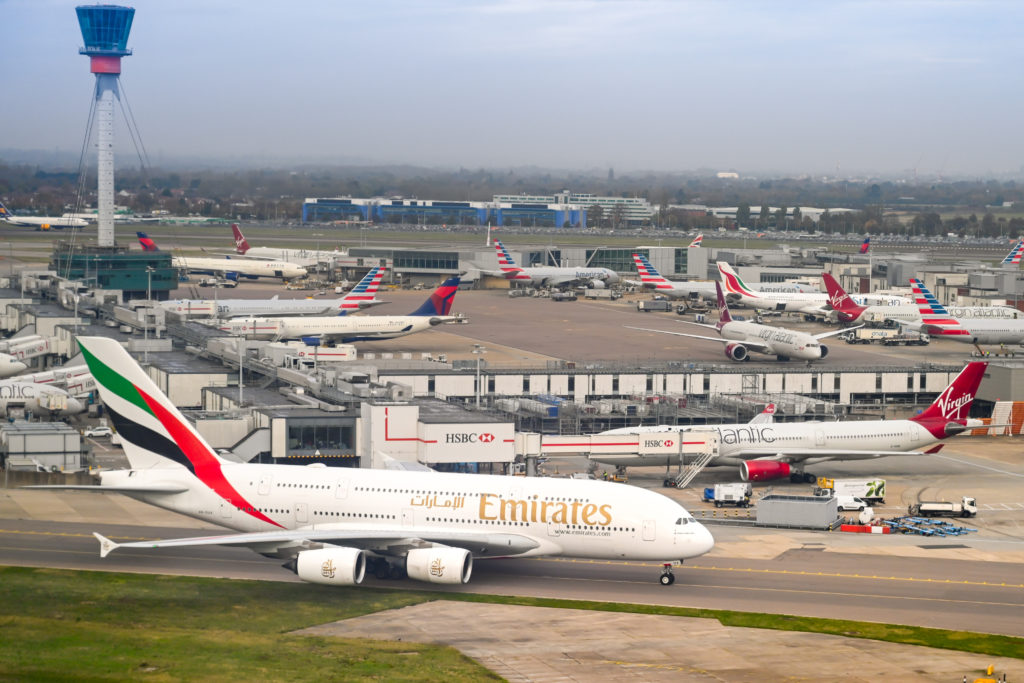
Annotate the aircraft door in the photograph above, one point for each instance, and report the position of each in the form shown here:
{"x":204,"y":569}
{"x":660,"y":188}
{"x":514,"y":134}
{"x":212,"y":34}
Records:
{"x":341,"y":489}
{"x":302,"y":512}
{"x":408,"y":517}
{"x":226,"y":509}
{"x":650,"y":529}
{"x":819,"y":438}
{"x":264,"y":486}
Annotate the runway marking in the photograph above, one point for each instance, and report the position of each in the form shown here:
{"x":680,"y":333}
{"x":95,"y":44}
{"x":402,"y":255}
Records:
{"x":974,"y":464}
{"x":790,"y":572}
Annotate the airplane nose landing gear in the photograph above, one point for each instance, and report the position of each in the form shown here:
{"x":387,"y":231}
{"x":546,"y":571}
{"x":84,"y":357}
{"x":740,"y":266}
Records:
{"x":667,"y":577}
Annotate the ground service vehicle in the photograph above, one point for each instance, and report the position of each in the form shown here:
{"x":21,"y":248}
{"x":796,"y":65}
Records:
{"x":657,"y":305}
{"x":967,"y":507}
{"x":563,"y":296}
{"x":737,"y":494}
{"x":870,"y":490}
{"x":850,"y":503}
{"x":98,"y":431}
{"x":887,"y":336}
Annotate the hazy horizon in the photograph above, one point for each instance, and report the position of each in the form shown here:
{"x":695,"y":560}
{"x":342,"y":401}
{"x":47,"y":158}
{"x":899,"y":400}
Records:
{"x":842,"y":88}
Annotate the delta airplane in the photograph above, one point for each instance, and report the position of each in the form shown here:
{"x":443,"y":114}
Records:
{"x":360,"y":297}
{"x":302,"y":257}
{"x":741,"y":337}
{"x":316,"y":331}
{"x":41,"y":222}
{"x":811,"y":304}
{"x":866,"y":245}
{"x":778,"y":450}
{"x":232,"y":269}
{"x":551,"y":276}
{"x":937,"y":322}
{"x":677,"y":289}
{"x":332,"y":524}
{"x":37,"y":398}
{"x":845,"y":310}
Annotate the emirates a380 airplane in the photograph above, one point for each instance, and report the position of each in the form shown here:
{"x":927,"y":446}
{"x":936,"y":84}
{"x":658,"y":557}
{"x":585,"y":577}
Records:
{"x":332,"y":524}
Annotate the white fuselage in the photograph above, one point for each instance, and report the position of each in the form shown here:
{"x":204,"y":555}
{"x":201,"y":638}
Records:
{"x":576,"y":518}
{"x":46,"y":221}
{"x":10,"y":366}
{"x":552,"y":275}
{"x":37,"y":398}
{"x":250,"y":268}
{"x":780,"y":341}
{"x":740,"y":442}
{"x":334,"y":328}
{"x":235,"y":308}
{"x":983,"y":332}
{"x":912,"y":313}
{"x":301,"y":257}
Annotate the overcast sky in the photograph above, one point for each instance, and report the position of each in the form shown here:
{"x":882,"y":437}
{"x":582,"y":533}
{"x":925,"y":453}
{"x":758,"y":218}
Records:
{"x":748,"y":86}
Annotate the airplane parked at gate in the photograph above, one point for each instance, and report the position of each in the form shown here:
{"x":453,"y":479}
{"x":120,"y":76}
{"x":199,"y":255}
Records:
{"x":741,"y":337}
{"x":231,"y":269}
{"x":10,"y":366}
{"x":846,"y":310}
{"x":332,"y":524}
{"x":675,"y":289}
{"x":360,"y":297}
{"x":302,"y":257}
{"x":551,"y":276}
{"x":37,"y":399}
{"x":937,"y":322}
{"x":778,"y":450}
{"x":41,"y":222}
{"x":316,"y":331}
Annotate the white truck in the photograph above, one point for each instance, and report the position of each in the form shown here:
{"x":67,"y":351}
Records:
{"x":657,"y":305}
{"x":967,"y":507}
{"x":887,"y":336}
{"x":737,"y":494}
{"x":870,"y":490}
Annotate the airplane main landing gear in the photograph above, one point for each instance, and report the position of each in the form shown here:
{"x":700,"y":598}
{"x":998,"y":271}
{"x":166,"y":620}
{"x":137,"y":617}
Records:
{"x":667,"y":577}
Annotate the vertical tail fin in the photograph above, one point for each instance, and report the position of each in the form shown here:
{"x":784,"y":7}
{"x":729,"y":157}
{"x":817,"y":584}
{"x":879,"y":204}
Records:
{"x":365,"y":290}
{"x":733,"y":283}
{"x":1013,"y":258}
{"x":241,"y":244}
{"x":649,"y":276}
{"x":696,"y":241}
{"x":866,"y":245}
{"x":954,"y":403}
{"x":935,"y":319}
{"x":846,"y":308}
{"x":440,"y":301}
{"x":4,"y":212}
{"x":147,"y":243}
{"x":723,"y":308}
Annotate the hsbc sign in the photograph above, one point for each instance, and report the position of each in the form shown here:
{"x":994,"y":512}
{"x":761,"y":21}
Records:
{"x":661,"y":443}
{"x":469,"y":437}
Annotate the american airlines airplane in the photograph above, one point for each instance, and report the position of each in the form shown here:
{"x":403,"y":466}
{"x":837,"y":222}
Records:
{"x":1013,"y":258}
{"x":677,"y":289}
{"x":845,"y":310}
{"x":332,"y":524}
{"x":360,"y":297}
{"x":316,"y":331}
{"x":551,"y":276}
{"x":232,"y":269}
{"x":741,"y":337}
{"x":41,"y":222}
{"x":937,"y":322}
{"x":763,"y":452}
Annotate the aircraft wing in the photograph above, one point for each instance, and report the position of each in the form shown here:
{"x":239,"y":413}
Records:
{"x":835,"y":332}
{"x":750,"y":344}
{"x":152,"y":488}
{"x":395,"y":541}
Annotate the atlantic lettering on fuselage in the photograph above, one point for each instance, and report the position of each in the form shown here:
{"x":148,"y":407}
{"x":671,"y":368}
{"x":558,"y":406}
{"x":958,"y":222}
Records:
{"x":749,"y":435}
{"x":779,"y":336}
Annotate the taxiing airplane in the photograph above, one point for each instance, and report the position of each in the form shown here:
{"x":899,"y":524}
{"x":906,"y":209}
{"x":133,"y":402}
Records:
{"x":332,"y":524}
{"x":317,"y":331}
{"x":231,"y":269}
{"x":741,"y":337}
{"x":779,"y":450}
{"x":302,"y":257}
{"x":41,"y":222}
{"x":846,"y":310}
{"x":937,"y":322}
{"x":551,"y":276}
{"x":37,"y":398}
{"x":360,"y":297}
{"x":696,"y":241}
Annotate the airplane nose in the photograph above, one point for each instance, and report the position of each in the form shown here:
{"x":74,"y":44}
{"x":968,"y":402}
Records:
{"x":74,"y":406}
{"x":704,"y":541}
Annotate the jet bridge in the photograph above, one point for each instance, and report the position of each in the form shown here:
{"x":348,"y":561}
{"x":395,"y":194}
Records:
{"x":28,"y":347}
{"x":689,"y":450}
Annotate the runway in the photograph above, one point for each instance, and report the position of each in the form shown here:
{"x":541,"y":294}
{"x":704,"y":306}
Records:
{"x":809,"y":581}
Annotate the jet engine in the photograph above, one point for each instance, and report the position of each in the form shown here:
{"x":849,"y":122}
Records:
{"x":736,"y":352}
{"x":439,"y":565}
{"x":824,"y":350}
{"x":334,"y":566}
{"x":763,"y":470}
{"x":596,"y":284}
{"x":312,"y":341}
{"x":231,"y":275}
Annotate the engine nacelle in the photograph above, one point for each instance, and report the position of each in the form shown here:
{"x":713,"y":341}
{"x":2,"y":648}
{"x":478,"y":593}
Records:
{"x":231,"y":275}
{"x":736,"y":352}
{"x":763,"y":470}
{"x":596,"y":284}
{"x":439,"y":565}
{"x":312,"y":341}
{"x":824,"y":350}
{"x":331,"y":566}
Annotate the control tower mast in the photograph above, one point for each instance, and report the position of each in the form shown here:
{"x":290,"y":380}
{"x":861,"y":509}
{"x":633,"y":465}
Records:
{"x":105,"y":30}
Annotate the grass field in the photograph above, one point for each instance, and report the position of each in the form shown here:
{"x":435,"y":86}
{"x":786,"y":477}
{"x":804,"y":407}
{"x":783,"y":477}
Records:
{"x":60,"y":625}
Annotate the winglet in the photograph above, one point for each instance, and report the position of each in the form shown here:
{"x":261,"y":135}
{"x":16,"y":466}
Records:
{"x":106,"y":545}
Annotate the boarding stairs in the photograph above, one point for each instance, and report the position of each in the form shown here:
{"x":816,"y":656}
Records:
{"x":691,"y":470}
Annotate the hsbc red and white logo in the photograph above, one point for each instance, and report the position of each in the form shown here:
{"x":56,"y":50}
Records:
{"x":669,"y":443}
{"x":469,"y":437}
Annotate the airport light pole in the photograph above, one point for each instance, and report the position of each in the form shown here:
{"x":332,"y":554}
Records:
{"x":478,"y":351}
{"x":145,"y":321}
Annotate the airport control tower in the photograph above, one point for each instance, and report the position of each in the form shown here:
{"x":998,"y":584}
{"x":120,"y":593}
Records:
{"x":105,"y":31}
